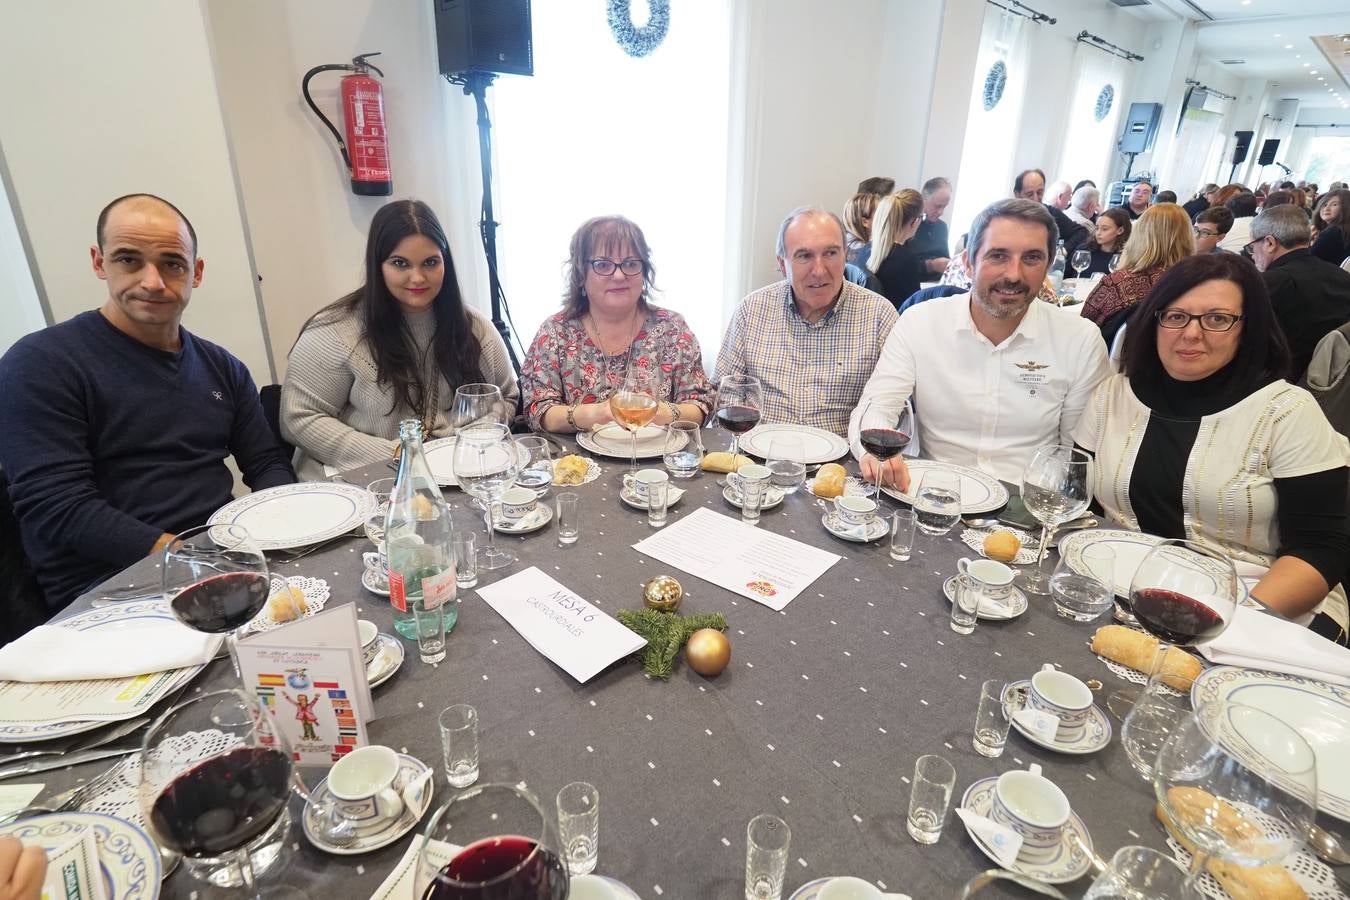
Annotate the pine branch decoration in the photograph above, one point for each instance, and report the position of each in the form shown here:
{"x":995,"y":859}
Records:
{"x":665,"y":633}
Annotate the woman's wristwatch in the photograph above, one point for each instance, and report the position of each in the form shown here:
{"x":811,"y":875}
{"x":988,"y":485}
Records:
{"x":572,"y":417}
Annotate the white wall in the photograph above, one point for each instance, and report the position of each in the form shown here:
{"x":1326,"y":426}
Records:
{"x":21,"y":310}
{"x":124,"y":100}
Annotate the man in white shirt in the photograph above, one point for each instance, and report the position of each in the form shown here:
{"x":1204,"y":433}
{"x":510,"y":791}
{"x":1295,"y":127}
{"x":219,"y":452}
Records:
{"x":994,"y":373}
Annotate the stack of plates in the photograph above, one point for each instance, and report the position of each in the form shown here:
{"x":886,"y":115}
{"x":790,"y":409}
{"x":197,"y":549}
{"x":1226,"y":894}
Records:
{"x":298,"y":515}
{"x":818,"y":445}
{"x":980,"y":492}
{"x":616,"y":442}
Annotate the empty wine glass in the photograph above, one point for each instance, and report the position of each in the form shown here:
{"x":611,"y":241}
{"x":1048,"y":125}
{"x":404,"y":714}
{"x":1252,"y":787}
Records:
{"x":634,"y":404}
{"x":536,"y":460}
{"x":1236,"y":784}
{"x":486,"y":464}
{"x":937,"y":502}
{"x":478,"y":403}
{"x":1080,"y":261}
{"x":786,"y":463}
{"x":1056,"y":489}
{"x":884,"y":431}
{"x":739,"y":401}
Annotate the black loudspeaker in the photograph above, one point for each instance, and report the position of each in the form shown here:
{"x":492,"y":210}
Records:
{"x":484,"y":36}
{"x":1244,"y":141}
{"x":1268,"y":151}
{"x":1141,"y":127}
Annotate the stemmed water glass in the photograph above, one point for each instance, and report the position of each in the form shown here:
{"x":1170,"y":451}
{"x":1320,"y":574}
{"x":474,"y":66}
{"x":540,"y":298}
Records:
{"x":1056,"y":488}
{"x":211,"y":784}
{"x":884,"y":433}
{"x":478,"y":403}
{"x":486,"y":464}
{"x":510,"y":849}
{"x":1236,"y":784}
{"x":633,"y":405}
{"x":937,"y":501}
{"x":1081,"y":260}
{"x":739,"y":401}
{"x":1113,"y":263}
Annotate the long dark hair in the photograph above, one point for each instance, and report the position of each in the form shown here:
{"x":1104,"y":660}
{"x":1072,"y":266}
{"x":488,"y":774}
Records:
{"x":1262,"y":354}
{"x":1121,"y":219}
{"x":457,"y":349}
{"x":1342,"y":218}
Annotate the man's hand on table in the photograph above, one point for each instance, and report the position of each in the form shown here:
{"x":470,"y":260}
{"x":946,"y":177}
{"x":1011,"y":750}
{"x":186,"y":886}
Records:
{"x":894,"y":472}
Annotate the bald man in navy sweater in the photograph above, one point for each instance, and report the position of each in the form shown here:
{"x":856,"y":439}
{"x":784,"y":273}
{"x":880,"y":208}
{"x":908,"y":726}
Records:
{"x":115,"y":425}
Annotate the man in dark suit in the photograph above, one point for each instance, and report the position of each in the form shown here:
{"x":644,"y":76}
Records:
{"x":1030,"y":185}
{"x":1311,"y":296}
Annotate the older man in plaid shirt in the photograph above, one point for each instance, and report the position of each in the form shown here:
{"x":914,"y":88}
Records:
{"x":812,"y":339}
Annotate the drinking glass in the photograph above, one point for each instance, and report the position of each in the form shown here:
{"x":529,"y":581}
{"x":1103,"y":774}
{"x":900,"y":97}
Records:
{"x":683,"y":449}
{"x":459,"y":744}
{"x":656,"y":501}
{"x":579,"y":826}
{"x":1113,"y":263}
{"x":478,"y":404}
{"x":466,"y":559}
{"x":965,"y":605}
{"x":739,"y":401}
{"x":1143,"y":873}
{"x":510,"y":848}
{"x":1084,"y":597}
{"x":1155,"y":711}
{"x":767,"y":839}
{"x":937,"y":502}
{"x":633,"y":405}
{"x":569,"y":521}
{"x":752,"y":483}
{"x":210,"y":798}
{"x":902,"y":534}
{"x":1056,"y":488}
{"x":486,"y":464}
{"x":1080,"y":261}
{"x":430,"y":632}
{"x":884,"y":432}
{"x":930,"y":794}
{"x":785,"y":462}
{"x":1237,"y":784}
{"x":992,"y":720}
{"x":380,"y":490}
{"x":536,"y":463}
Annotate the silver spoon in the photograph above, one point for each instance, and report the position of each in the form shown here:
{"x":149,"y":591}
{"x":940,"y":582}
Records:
{"x":1328,"y":846}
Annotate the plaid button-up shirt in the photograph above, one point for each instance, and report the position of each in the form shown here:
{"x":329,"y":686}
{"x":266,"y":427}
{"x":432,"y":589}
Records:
{"x":812,"y":373}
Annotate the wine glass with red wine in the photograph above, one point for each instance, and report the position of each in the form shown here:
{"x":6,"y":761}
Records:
{"x":509,"y":849}
{"x":215,"y":580}
{"x":207,"y":789}
{"x":739,"y":399}
{"x":884,"y":432}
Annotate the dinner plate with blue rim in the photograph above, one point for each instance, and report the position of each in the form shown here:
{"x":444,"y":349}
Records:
{"x":818,"y":445}
{"x":616,"y":442}
{"x":128,"y":858}
{"x":980,"y":491}
{"x":440,"y":455}
{"x":298,"y":515}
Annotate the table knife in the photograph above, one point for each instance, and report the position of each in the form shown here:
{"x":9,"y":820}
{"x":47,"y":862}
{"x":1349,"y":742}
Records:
{"x":32,"y":767}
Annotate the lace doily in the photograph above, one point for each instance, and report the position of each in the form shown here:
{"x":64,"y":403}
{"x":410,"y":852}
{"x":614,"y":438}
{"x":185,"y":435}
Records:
{"x":1314,"y":876}
{"x":120,"y":795}
{"x":1127,"y":674}
{"x":592,"y":472}
{"x":974,"y":539}
{"x":316,"y":595}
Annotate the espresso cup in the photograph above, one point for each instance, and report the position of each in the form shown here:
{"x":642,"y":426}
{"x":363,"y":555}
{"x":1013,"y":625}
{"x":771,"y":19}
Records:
{"x":362,"y":786}
{"x":846,"y":887}
{"x":855,"y":510}
{"x":377,"y":562}
{"x":1063,"y":696}
{"x":1035,"y":808}
{"x":370,"y":645}
{"x":643,"y":480}
{"x":991,"y":578}
{"x":518,"y":502}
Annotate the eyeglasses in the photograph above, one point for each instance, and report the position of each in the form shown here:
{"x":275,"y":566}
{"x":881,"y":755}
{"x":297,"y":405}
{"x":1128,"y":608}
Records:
{"x":1210,"y":321}
{"x":630,"y":266}
{"x":1201,"y":233}
{"x":1247,"y":247}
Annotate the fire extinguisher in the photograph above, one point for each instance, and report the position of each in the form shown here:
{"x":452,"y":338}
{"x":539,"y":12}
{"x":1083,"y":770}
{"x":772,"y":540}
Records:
{"x":366,"y":147}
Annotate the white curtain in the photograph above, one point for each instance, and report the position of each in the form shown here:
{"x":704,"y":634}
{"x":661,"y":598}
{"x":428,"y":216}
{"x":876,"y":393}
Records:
{"x":986,"y":174}
{"x":1089,"y":142}
{"x":1193,"y":151}
{"x":596,"y":132}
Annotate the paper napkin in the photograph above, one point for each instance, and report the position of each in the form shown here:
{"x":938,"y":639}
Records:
{"x":1040,"y":723}
{"x":1003,"y":842}
{"x":1258,"y":640}
{"x":56,"y":653}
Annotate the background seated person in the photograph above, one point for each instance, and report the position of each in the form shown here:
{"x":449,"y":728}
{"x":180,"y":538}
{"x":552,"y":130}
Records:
{"x":1107,"y":238}
{"x":1160,"y":238}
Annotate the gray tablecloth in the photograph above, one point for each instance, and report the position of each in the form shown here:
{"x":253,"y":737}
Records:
{"x":819,"y":717}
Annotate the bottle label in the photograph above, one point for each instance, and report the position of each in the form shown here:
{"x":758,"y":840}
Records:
{"x":398,"y":594}
{"x":438,"y":589}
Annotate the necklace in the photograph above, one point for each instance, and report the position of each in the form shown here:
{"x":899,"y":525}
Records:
{"x":593,"y":332}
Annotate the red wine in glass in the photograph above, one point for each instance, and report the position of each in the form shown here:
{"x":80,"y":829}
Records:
{"x":883,"y":443}
{"x":738,"y":419}
{"x":1174,"y":617}
{"x":223,"y":802}
{"x":477,"y":872}
{"x":221,"y":603}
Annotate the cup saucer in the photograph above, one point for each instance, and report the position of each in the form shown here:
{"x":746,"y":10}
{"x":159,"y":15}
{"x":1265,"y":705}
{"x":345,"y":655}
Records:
{"x":772,"y":497}
{"x":673,"y":495}
{"x":584,"y":887}
{"x":1011,"y":608}
{"x":375,"y":837}
{"x":1096,"y":735}
{"x":370,"y":581}
{"x":535,"y":519}
{"x":1069,"y":862}
{"x":387,"y":660}
{"x":861,"y":534}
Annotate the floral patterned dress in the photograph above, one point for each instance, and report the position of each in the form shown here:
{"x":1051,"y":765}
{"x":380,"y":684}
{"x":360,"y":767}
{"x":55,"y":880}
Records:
{"x":563,"y":364}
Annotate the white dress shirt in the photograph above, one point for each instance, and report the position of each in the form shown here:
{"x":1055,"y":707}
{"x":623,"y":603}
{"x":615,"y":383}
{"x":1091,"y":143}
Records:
{"x":980,"y":405}
{"x":1239,"y":236}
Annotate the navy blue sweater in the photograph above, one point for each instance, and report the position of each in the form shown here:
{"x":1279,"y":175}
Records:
{"x":108,"y":443}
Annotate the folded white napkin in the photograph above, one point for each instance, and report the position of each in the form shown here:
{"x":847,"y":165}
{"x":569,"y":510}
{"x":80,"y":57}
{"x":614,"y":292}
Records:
{"x":55,"y":653}
{"x":1038,"y":722}
{"x":1258,"y":640}
{"x":1003,"y":842}
{"x":399,"y":883}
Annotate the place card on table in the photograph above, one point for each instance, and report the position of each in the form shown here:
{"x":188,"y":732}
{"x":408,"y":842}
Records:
{"x":572,"y":633}
{"x":310,"y":674}
{"x":746,"y":560}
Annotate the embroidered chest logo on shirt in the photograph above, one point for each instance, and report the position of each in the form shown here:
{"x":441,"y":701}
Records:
{"x":1031,"y":375}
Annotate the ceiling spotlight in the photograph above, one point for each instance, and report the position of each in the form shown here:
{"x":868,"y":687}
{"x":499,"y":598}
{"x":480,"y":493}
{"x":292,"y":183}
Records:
{"x":1289,"y":46}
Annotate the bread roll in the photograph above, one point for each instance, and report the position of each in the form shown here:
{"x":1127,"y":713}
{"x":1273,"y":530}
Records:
{"x":721,"y":461}
{"x":1241,"y":882}
{"x":286,"y":604}
{"x":829,"y":481}
{"x":571,"y":469}
{"x":1136,"y":650}
{"x":1002,"y":546}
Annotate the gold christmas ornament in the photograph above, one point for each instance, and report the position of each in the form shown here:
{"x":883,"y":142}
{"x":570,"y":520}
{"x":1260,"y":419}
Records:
{"x":708,"y":652}
{"x":663,"y":594}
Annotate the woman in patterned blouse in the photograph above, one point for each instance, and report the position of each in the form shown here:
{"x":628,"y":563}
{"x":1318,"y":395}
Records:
{"x":1160,"y":239}
{"x":607,"y":324}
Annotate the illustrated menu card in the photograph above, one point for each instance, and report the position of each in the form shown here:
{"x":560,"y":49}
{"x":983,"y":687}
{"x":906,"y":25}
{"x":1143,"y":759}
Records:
{"x":310,"y":674}
{"x":571,"y":632}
